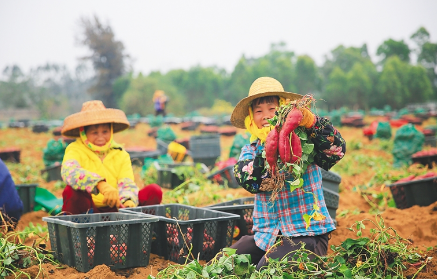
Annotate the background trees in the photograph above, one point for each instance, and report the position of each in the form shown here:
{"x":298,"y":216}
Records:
{"x":348,"y":77}
{"x":107,"y":57}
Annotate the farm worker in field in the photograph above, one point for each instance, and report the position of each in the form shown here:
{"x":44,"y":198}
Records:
{"x":10,"y":203}
{"x":159,"y":101}
{"x":97,"y":170}
{"x":284,"y":215}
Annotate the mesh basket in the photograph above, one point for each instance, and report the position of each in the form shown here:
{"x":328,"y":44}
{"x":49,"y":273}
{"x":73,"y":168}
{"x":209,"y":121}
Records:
{"x":330,"y":180}
{"x":427,"y":160}
{"x":118,"y":240}
{"x":53,"y":172}
{"x":331,"y":200}
{"x":421,"y":192}
{"x":242,"y":207}
{"x":226,"y":174}
{"x":167,"y":176}
{"x":205,"y":148}
{"x":181,"y":226}
{"x":27,"y":195}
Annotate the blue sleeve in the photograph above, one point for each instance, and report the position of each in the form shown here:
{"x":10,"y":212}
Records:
{"x":10,"y":201}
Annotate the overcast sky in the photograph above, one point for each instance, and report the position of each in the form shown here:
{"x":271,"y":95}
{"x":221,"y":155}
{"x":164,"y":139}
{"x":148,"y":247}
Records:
{"x":164,"y":35}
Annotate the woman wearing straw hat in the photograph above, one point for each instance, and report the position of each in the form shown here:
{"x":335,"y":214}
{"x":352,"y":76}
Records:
{"x":97,"y":170}
{"x":283,"y":215}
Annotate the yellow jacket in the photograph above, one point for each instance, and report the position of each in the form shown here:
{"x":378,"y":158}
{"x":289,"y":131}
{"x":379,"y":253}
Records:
{"x":82,"y":169}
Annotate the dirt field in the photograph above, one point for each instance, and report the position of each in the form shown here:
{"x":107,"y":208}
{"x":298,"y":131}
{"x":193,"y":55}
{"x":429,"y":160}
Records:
{"x":418,"y":224}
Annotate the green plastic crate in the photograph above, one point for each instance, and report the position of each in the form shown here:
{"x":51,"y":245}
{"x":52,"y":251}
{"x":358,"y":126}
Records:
{"x":118,"y":240}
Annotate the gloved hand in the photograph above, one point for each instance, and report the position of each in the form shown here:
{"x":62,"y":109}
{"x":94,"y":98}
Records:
{"x":308,"y":119}
{"x":129,"y":203}
{"x":110,"y":194}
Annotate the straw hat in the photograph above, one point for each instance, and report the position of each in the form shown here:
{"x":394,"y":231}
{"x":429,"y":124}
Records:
{"x":92,"y":113}
{"x":261,"y":87}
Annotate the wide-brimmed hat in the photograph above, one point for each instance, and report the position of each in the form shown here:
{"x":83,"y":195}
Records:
{"x":261,"y":87}
{"x":92,"y":113}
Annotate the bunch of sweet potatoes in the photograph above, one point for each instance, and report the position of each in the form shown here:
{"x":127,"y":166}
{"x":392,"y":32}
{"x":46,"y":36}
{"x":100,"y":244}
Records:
{"x":283,"y":141}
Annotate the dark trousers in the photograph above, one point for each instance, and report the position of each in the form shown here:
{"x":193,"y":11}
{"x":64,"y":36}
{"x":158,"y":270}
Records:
{"x":160,"y":111}
{"x":246,"y":245}
{"x":81,"y":202}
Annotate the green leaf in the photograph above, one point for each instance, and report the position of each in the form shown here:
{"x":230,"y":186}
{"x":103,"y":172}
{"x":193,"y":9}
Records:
{"x":191,"y":275}
{"x":229,"y":251}
{"x":308,"y":148}
{"x":307,"y":219}
{"x":345,"y":271}
{"x":8,"y":261}
{"x":298,"y":183}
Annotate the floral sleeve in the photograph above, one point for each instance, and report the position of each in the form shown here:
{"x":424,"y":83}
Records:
{"x":249,"y":170}
{"x":127,"y":190}
{"x":78,"y":178}
{"x":329,"y":145}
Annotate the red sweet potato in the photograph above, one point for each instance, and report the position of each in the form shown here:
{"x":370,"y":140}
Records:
{"x":427,"y":175}
{"x":292,"y":121}
{"x":272,"y":149}
{"x":284,"y":147}
{"x":405,"y":179}
{"x":296,"y":147}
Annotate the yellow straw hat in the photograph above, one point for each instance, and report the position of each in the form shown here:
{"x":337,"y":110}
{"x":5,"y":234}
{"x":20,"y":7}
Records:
{"x":92,"y":113}
{"x":261,"y":87}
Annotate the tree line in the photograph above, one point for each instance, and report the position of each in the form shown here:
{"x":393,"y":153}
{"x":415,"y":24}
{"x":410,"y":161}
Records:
{"x":349,"y":77}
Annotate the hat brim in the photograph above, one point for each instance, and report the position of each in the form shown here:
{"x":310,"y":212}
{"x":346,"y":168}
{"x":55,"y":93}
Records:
{"x":241,"y":110}
{"x":73,"y":122}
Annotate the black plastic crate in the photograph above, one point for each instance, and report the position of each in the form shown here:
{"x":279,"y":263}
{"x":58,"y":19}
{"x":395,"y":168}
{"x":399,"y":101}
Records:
{"x":331,"y":200}
{"x":427,"y":160}
{"x":226,"y":174}
{"x":53,"y":172}
{"x":430,"y":141}
{"x":137,"y":158}
{"x":27,"y":195}
{"x":205,"y":148}
{"x":330,"y":180}
{"x":118,"y":240}
{"x":10,"y":154}
{"x":421,"y":192}
{"x":167,"y":176}
{"x":181,"y":226}
{"x":242,"y":207}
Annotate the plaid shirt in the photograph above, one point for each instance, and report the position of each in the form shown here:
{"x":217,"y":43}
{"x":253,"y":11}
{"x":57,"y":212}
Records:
{"x":285,"y":214}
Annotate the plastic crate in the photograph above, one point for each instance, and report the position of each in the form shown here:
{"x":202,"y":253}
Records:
{"x":10,"y":154}
{"x":53,"y":172}
{"x":330,"y":180}
{"x":226,"y":174}
{"x":118,"y":240}
{"x":242,"y":207}
{"x":137,"y":158}
{"x":27,"y":195}
{"x":425,"y":160}
{"x":206,"y":230}
{"x":416,"y":192}
{"x":167,"y":177}
{"x":430,"y":141}
{"x":331,"y":200}
{"x":205,"y":148}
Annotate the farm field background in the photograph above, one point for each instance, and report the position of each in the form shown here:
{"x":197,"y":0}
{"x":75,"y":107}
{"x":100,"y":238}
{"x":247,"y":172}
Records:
{"x":365,"y":170}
